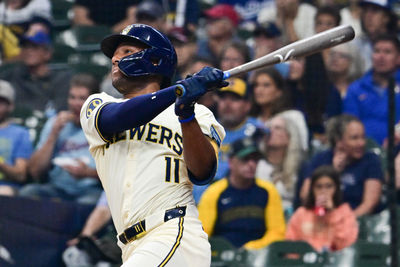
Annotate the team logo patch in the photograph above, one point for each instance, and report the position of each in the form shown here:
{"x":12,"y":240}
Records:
{"x":215,"y":135}
{"x":92,"y":106}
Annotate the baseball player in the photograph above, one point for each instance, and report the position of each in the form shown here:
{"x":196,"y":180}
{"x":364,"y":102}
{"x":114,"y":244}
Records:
{"x":151,"y":147}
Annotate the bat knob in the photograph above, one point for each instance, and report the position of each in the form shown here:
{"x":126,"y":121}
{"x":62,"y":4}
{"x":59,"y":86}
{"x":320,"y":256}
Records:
{"x":179,"y":90}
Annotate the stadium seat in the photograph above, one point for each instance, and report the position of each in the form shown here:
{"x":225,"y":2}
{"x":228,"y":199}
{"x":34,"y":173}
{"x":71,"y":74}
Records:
{"x":361,"y":254}
{"x":224,"y":254}
{"x":83,"y":38}
{"x":292,"y":253}
{"x":60,"y":10}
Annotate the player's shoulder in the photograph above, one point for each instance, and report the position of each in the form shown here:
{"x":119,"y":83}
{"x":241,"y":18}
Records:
{"x":95,"y":101}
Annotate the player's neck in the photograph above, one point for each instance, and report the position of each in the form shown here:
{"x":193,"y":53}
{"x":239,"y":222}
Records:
{"x":145,"y":89}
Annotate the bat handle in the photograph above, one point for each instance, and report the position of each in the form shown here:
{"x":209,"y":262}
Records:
{"x":227,"y":74}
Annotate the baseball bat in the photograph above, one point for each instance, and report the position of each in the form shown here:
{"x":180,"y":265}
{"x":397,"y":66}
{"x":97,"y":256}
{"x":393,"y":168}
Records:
{"x":300,"y":48}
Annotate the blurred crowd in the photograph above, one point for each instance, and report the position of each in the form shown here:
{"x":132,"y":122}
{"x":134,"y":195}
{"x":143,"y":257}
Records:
{"x":306,"y":140}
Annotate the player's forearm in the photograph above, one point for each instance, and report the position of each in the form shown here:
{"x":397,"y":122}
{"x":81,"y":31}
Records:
{"x":198,"y":152}
{"x":118,"y":117}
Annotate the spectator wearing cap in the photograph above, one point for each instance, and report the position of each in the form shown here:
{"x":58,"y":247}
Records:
{"x":152,"y":13}
{"x":268,"y":38}
{"x":294,"y":19}
{"x":377,"y":19}
{"x":241,"y":208}
{"x":248,"y":10}
{"x":15,"y":145}
{"x":116,"y":16}
{"x":41,"y":90}
{"x":233,"y":107}
{"x":221,"y":24}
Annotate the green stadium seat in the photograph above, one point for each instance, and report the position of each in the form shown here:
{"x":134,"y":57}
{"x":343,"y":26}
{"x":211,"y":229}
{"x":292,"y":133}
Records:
{"x":60,"y":10}
{"x":83,"y":38}
{"x":292,"y":253}
{"x":224,"y":254}
{"x":361,"y":254}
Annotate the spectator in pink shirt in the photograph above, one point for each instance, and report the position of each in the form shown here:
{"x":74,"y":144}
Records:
{"x":324,"y":221}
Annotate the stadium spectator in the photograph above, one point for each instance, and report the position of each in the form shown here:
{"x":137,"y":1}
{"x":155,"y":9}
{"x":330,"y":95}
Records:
{"x":314,"y":95}
{"x":341,"y":67}
{"x":233,"y":107}
{"x":271,"y":97}
{"x":233,"y":54}
{"x":371,"y":89}
{"x":185,"y":45}
{"x":18,"y":14}
{"x":351,"y":16}
{"x":41,"y":90}
{"x":377,"y":19}
{"x":248,"y":11}
{"x":97,"y":240}
{"x":116,"y":15}
{"x":221,"y":22}
{"x":241,"y":208}
{"x":361,"y":174}
{"x":181,"y":13}
{"x":294,"y":18}
{"x":152,"y":13}
{"x":283,"y":156}
{"x":267,"y":38}
{"x":62,"y":161}
{"x":324,"y":221}
{"x":15,"y":145}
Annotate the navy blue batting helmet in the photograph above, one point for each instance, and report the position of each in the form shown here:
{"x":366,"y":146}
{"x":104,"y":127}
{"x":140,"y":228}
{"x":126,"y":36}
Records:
{"x":159,"y":58}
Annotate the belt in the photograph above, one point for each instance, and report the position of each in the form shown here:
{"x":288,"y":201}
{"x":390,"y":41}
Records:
{"x":140,"y":228}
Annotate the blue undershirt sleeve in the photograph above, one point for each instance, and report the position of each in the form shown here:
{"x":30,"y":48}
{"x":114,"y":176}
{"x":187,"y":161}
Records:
{"x":118,"y":117}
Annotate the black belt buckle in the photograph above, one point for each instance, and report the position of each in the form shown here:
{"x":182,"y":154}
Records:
{"x":174,"y":213}
{"x":133,"y":232}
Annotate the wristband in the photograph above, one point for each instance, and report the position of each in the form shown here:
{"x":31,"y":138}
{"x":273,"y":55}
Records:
{"x":187,"y":119}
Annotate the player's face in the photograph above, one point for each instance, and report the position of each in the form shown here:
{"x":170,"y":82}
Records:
{"x":265,"y":90}
{"x":353,"y":140}
{"x":77,"y":96}
{"x":385,"y":57}
{"x":119,"y":80}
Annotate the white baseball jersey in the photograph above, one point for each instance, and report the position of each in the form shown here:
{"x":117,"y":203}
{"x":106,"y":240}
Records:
{"x":142,"y":169}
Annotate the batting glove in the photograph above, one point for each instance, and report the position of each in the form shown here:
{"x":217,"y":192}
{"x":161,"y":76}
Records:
{"x":194,"y":87}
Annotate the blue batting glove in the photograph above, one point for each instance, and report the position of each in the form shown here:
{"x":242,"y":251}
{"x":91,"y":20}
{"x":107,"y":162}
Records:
{"x":196,"y":86}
